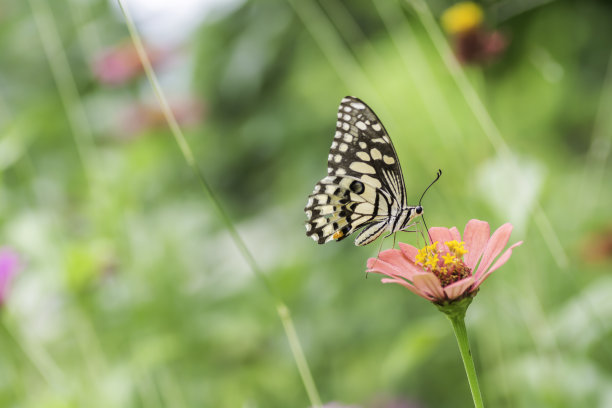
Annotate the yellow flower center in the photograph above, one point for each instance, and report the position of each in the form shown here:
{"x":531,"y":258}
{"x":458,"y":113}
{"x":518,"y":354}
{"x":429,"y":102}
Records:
{"x":462,"y":17}
{"x":447,"y":266}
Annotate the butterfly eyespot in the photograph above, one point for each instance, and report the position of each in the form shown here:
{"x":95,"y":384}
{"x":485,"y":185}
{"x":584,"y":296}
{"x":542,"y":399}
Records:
{"x":357,"y":187}
{"x":338,"y":235}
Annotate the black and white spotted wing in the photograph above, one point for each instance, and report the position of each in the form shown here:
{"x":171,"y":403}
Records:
{"x":364,"y":186}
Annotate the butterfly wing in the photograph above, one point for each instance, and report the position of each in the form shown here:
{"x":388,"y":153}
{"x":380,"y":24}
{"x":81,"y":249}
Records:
{"x":341,"y":204}
{"x":364,"y":186}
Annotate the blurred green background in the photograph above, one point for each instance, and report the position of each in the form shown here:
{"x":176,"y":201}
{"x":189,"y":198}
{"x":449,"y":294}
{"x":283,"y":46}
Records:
{"x":130,"y":291}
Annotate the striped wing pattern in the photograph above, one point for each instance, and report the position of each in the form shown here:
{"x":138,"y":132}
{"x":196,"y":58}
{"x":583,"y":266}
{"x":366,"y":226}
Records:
{"x":364,"y":186}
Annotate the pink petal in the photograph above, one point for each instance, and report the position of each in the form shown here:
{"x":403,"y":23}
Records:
{"x":429,"y":284}
{"x":440,"y":234}
{"x":396,"y":258}
{"x":500,"y":261}
{"x":409,"y":251}
{"x":455,"y":234}
{"x":475,"y":236}
{"x":498,"y":241}
{"x":377,"y":266}
{"x":407,"y":286}
{"x":454,"y":290}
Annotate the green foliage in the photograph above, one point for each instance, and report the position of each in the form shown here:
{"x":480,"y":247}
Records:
{"x":132,"y":293}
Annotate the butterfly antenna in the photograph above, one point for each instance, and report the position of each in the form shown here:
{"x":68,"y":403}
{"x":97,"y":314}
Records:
{"x":438,"y":174}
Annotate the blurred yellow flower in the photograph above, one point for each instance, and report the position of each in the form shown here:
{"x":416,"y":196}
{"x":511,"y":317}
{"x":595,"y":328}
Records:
{"x":462,"y":17}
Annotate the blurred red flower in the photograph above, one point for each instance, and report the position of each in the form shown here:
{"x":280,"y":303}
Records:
{"x":479,"y":46}
{"x":472,"y":43}
{"x":598,"y":246}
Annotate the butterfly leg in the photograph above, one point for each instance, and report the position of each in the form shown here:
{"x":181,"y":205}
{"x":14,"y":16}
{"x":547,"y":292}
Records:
{"x":380,"y":246}
{"x":425,"y":240}
{"x":416,"y":225}
{"x":376,"y":259}
{"x":395,"y":234}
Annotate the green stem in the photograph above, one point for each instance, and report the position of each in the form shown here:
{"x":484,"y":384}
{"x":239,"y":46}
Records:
{"x":455,"y":311}
{"x":281,"y":309}
{"x":458,"y":322}
{"x":34,"y":353}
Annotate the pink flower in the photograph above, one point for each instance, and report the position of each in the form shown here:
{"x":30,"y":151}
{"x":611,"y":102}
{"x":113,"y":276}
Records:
{"x":138,"y":118}
{"x":121,"y":64}
{"x":9,"y":265}
{"x":449,"y":269}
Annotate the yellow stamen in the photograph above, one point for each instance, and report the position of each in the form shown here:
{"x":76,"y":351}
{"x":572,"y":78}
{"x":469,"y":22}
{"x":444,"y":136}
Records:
{"x":424,"y":253}
{"x":456,"y":248}
{"x":452,"y":269}
{"x":432,"y":260}
{"x":431,"y":249}
{"x":449,"y":259}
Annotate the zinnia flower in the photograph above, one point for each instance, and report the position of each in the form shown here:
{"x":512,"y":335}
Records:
{"x":449,"y":269}
{"x":9,"y":265}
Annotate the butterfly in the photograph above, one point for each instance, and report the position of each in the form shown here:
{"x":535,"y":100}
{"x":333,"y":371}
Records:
{"x":364,"y":186}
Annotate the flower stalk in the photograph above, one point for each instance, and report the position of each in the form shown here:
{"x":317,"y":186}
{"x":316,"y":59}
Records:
{"x":281,"y":308}
{"x":456,"y":314}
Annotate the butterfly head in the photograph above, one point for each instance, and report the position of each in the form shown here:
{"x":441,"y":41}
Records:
{"x":414,"y":212}
{"x":411,"y":214}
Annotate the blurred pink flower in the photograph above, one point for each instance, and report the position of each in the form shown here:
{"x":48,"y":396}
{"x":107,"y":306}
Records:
{"x":140,"y":117}
{"x":449,"y":269}
{"x":9,"y":266}
{"x":121,"y":63}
